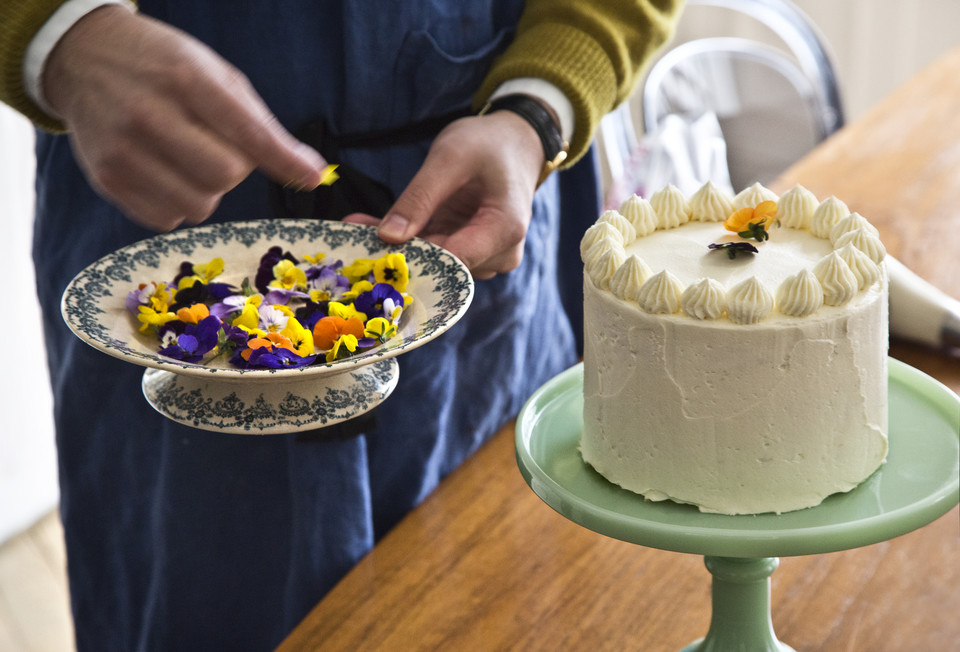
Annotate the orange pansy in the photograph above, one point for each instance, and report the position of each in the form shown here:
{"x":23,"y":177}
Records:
{"x":329,"y":329}
{"x":194,"y":314}
{"x":741,"y":219}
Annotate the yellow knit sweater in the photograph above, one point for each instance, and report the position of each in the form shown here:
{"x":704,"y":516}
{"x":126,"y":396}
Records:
{"x":594,"y":51}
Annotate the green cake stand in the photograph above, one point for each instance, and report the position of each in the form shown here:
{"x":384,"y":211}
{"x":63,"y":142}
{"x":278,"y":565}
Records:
{"x":919,"y":483}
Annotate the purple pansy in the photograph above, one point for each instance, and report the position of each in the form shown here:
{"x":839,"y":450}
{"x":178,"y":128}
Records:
{"x":379,"y":301}
{"x":193,"y":342}
{"x":277,"y":358}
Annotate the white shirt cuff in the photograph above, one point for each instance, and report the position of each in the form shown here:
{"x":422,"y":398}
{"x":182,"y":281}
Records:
{"x":43,"y":42}
{"x":546,"y":93}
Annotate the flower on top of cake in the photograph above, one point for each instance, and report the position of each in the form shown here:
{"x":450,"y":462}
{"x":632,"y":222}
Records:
{"x":753,"y":222}
{"x":625,"y":255}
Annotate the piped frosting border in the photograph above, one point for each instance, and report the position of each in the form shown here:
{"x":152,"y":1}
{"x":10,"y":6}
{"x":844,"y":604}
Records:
{"x":851,"y":268}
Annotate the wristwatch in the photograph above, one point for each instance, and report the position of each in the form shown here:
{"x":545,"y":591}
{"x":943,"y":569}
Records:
{"x":555,"y":148}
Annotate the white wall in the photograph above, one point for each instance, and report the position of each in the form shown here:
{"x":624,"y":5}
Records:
{"x":28,"y":480}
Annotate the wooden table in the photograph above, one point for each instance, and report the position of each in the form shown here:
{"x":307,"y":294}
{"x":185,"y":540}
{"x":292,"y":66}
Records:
{"x":483,"y":564}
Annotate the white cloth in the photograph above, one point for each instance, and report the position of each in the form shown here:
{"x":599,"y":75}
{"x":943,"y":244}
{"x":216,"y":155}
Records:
{"x":40,"y":46}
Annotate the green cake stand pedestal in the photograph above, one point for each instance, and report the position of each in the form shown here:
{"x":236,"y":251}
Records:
{"x":919,"y":483}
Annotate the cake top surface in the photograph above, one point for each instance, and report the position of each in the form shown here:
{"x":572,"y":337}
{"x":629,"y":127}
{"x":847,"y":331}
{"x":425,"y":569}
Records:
{"x":713,"y":256}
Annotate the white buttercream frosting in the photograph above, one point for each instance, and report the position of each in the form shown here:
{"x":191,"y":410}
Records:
{"x":796,"y":207}
{"x":595,"y":233}
{"x":800,"y":295}
{"x":864,"y":240}
{"x":830,"y":211}
{"x":838,"y":281}
{"x":629,"y":278}
{"x":640,"y":214}
{"x":754,"y":195}
{"x":851,"y":223}
{"x":621,"y":224}
{"x":671,"y":206}
{"x":749,"y":302}
{"x":660,"y":294}
{"x":710,"y":204}
{"x":601,"y":269}
{"x":705,"y":299}
{"x":866,"y":271}
{"x":602,"y":246}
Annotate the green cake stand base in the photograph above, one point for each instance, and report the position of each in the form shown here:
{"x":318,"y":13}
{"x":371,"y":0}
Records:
{"x":919,"y":483}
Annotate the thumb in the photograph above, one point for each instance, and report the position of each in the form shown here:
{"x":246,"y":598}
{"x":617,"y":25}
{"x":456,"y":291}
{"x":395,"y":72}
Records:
{"x":416,"y":204}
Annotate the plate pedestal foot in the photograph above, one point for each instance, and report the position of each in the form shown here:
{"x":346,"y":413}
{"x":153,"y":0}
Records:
{"x":740,"y":619}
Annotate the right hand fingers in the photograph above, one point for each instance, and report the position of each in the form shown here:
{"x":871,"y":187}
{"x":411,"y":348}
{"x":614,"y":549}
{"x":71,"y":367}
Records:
{"x":237,"y":114}
{"x":162,"y":126}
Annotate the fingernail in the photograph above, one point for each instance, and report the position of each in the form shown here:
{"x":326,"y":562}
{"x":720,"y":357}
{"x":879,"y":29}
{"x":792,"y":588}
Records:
{"x":393,"y":227}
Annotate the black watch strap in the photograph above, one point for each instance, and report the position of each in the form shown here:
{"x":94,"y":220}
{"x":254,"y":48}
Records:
{"x":531,"y":110}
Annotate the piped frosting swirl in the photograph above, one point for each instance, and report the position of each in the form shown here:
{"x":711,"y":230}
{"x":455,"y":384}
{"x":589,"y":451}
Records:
{"x":705,"y":299}
{"x":640,"y":214}
{"x":660,"y":295}
{"x":710,"y":204}
{"x":671,"y":207}
{"x":629,"y":278}
{"x":796,"y":207}
{"x":748,"y":302}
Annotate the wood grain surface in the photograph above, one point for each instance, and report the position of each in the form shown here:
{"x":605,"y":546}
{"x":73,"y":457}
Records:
{"x":483,"y":564}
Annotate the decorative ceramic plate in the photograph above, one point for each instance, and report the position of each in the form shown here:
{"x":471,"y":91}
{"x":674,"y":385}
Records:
{"x":93,"y":307}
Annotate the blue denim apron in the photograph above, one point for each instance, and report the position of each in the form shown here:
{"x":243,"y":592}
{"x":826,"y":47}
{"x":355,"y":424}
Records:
{"x":180,"y":539}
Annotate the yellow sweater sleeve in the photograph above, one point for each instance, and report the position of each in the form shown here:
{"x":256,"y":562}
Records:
{"x":20,"y":20}
{"x":593,"y":51}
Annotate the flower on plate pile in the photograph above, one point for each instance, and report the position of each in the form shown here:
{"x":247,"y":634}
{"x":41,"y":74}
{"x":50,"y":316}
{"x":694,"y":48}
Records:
{"x":295,"y":313}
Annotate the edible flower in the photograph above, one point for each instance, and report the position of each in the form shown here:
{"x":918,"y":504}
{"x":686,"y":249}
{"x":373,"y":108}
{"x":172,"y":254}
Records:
{"x":382,"y":300}
{"x":194,"y":314}
{"x":301,"y":339}
{"x":380,"y":329}
{"x":328,"y":175}
{"x":196,"y":340}
{"x":344,"y":346}
{"x":734,"y":248}
{"x":392,"y":269}
{"x":328,"y":330}
{"x":753,"y":222}
{"x":150,"y":318}
{"x":358,"y":270}
{"x":345,"y":311}
{"x":288,"y":276}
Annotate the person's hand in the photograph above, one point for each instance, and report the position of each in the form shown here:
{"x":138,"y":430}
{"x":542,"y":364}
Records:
{"x":473,"y":195}
{"x":161,"y":125}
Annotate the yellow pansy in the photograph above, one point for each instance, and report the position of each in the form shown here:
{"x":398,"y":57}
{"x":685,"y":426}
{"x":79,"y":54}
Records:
{"x":288,"y":276}
{"x":149,"y":317}
{"x":300,"y":338}
{"x":357,"y":289}
{"x":358,"y":270}
{"x":209,"y":271}
{"x":380,"y":329}
{"x":344,"y":311}
{"x":392,"y":269}
{"x":342,"y":348}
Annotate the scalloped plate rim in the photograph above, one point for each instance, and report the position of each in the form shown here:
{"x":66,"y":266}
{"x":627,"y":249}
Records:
{"x":394,"y":347}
